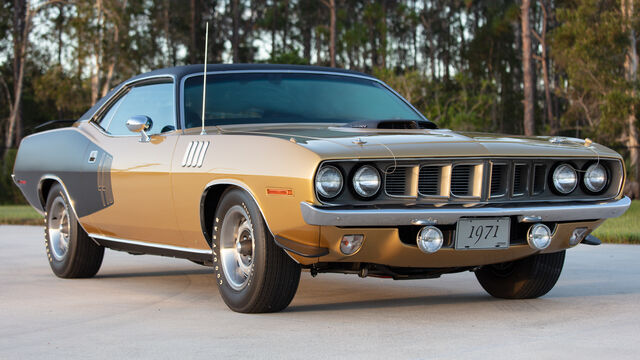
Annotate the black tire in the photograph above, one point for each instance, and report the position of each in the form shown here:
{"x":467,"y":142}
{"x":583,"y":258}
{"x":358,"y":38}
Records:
{"x":264,"y":281}
{"x":71,"y":252}
{"x":527,"y":278}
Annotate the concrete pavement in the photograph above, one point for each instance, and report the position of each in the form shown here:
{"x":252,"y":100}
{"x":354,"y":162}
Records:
{"x":165,"y":308}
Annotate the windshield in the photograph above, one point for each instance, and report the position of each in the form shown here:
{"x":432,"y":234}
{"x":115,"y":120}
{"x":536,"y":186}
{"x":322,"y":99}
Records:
{"x":249,"y":98}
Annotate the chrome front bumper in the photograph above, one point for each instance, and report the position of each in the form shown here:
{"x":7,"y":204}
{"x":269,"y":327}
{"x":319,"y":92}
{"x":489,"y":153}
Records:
{"x":314,"y":215}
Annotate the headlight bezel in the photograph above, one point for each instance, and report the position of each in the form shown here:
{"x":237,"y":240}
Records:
{"x":318,"y":192}
{"x":352,"y":182}
{"x":552,"y":178}
{"x":583,"y":181}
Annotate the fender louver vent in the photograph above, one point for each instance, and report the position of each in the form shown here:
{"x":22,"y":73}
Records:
{"x":194,"y":155}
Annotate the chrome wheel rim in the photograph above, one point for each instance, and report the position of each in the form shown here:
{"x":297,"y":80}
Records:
{"x":58,"y":228}
{"x":237,"y":246}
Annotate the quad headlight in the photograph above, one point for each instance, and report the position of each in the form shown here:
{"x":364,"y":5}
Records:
{"x":595,"y":178}
{"x":565,"y":179}
{"x":366,"y":181}
{"x":329,"y":182}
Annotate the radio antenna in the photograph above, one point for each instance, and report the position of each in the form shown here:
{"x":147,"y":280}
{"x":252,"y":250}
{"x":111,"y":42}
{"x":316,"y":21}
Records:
{"x":204,"y":85}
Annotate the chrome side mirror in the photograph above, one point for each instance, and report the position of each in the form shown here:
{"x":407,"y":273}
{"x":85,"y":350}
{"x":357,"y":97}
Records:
{"x":140,"y":123}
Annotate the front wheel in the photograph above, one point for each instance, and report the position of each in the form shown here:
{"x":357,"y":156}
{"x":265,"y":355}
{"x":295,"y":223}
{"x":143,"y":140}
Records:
{"x":253,"y":274}
{"x":71,"y":252}
{"x":527,"y":278}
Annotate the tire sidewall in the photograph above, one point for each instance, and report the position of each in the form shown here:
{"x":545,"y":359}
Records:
{"x":239,"y":300}
{"x":60,"y":267}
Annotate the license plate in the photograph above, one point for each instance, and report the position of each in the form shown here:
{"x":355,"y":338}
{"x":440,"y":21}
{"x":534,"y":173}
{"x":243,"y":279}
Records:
{"x":485,"y":233}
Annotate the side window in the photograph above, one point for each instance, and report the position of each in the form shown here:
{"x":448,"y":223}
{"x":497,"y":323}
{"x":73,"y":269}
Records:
{"x":154,"y":101}
{"x":108,"y":117}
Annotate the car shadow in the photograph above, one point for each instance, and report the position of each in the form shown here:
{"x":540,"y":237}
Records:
{"x":428,"y":300}
{"x":154,"y":274}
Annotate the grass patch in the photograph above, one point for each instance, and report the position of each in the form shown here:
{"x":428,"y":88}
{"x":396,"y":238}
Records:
{"x":622,"y":230}
{"x":19,"y":215}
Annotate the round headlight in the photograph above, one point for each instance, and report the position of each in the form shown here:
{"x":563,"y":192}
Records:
{"x":595,"y":178}
{"x":329,"y":182}
{"x":565,"y":179}
{"x":366,"y":181}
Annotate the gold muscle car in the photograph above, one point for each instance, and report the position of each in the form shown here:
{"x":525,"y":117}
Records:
{"x":284,"y":168}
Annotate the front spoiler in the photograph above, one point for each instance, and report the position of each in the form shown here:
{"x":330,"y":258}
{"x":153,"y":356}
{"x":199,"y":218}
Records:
{"x":326,"y":216}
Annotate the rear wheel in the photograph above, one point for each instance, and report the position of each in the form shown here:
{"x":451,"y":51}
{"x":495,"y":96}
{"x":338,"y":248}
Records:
{"x":527,"y":278}
{"x":253,"y":274}
{"x":71,"y":252}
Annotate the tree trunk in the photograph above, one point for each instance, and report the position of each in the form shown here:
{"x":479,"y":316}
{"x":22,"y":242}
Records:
{"x":527,"y":70}
{"x":60,"y":28}
{"x":193,"y":46}
{"x":20,"y":37}
{"x":631,"y":75}
{"x":544,"y":62}
{"x":306,"y":42}
{"x":331,"y":4}
{"x":235,"y":36}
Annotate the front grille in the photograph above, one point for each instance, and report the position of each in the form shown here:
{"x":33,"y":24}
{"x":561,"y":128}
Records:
{"x":498,"y":179}
{"x":461,"y":180}
{"x":429,"y":180}
{"x":471,"y":181}
{"x":539,"y":178}
{"x":395,"y":182}
{"x":520,"y":179}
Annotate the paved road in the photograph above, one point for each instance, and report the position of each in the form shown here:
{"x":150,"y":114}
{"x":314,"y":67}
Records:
{"x":154,"y":307}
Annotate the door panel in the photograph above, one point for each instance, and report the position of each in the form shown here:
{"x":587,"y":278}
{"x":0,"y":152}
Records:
{"x":142,"y":203}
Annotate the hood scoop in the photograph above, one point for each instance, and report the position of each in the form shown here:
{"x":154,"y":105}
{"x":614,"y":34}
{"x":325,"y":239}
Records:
{"x":395,"y":124}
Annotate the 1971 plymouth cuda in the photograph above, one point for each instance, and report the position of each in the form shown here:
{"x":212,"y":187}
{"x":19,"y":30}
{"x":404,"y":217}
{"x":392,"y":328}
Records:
{"x":313,"y":168}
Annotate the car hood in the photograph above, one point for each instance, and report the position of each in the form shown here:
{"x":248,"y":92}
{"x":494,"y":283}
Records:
{"x":343,"y":142}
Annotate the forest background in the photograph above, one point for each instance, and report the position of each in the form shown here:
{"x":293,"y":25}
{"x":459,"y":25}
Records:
{"x":532,"y":67}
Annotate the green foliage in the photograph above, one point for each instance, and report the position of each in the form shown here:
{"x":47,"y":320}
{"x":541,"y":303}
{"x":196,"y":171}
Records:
{"x":590,"y":48}
{"x":290,"y":57}
{"x":9,"y":192}
{"x":625,"y":229}
{"x":19,"y":215}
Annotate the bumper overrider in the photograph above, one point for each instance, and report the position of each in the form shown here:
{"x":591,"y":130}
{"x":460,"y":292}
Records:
{"x":380,"y":228}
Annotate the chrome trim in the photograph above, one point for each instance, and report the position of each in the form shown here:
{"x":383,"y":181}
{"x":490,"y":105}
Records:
{"x":194,"y":154}
{"x":152,"y":245}
{"x":13,"y":177}
{"x":202,"y":154}
{"x":125,"y":87}
{"x":314,"y":215}
{"x":292,"y":71}
{"x":186,"y":154}
{"x":529,"y":219}
{"x":66,"y":193}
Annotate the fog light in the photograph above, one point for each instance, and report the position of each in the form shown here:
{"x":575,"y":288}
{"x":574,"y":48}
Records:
{"x":577,"y":236}
{"x":430,"y":239}
{"x":350,"y":244}
{"x":539,"y":236}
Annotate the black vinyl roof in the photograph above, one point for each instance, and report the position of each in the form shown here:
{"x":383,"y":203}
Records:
{"x":179,"y":72}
